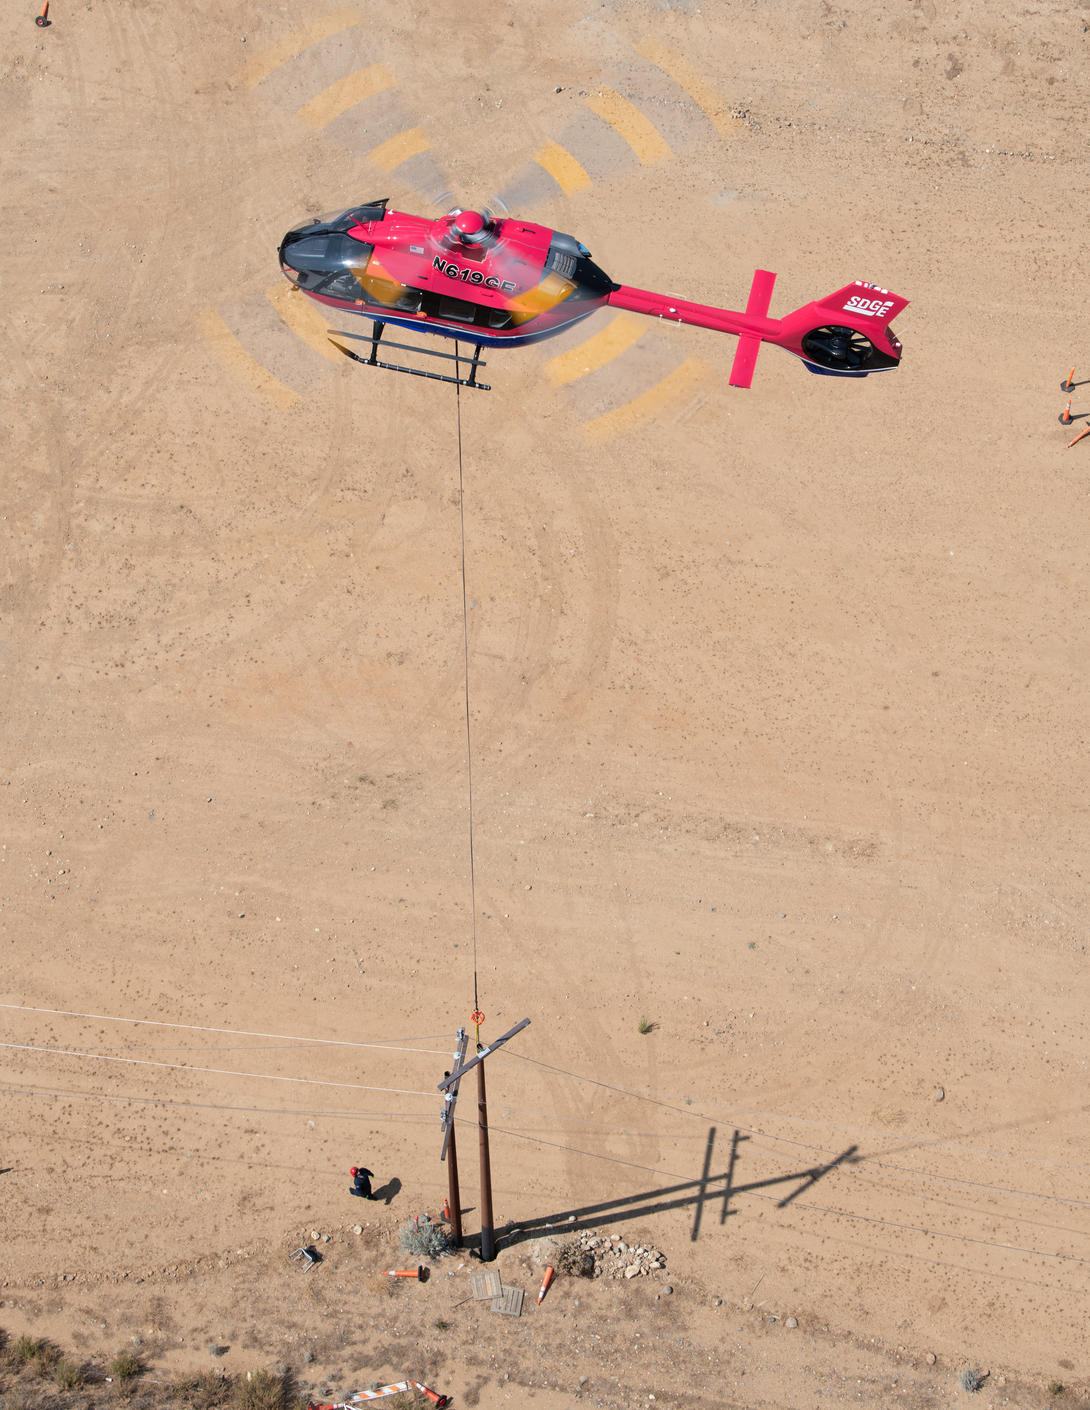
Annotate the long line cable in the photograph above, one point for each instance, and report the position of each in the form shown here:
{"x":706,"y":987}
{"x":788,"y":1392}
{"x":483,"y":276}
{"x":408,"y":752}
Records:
{"x":465,"y":649}
{"x":233,"y":1032}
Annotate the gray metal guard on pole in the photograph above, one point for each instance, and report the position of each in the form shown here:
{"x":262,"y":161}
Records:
{"x":446,"y":1116}
{"x":450,"y":1146}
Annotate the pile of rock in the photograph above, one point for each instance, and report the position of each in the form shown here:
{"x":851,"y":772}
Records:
{"x":615,"y":1257}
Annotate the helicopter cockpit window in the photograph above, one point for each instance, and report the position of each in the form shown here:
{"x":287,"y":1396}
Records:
{"x":327,"y":263}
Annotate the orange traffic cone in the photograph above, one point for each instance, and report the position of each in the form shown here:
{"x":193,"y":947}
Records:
{"x":433,"y":1395}
{"x":43,"y":19}
{"x":446,"y":1210}
{"x":1069,"y":385}
{"x":1065,"y":415}
{"x":1084,"y":432}
{"x":420,"y":1272}
{"x":549,"y":1274}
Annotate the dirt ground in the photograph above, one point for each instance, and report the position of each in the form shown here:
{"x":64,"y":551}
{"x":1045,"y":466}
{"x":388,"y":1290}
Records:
{"x":777,"y":697}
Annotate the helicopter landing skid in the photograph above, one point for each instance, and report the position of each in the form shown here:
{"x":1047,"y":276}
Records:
{"x":375,"y":338}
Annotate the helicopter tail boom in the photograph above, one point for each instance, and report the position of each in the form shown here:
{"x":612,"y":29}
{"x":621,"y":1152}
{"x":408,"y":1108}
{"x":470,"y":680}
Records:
{"x":845,"y":334}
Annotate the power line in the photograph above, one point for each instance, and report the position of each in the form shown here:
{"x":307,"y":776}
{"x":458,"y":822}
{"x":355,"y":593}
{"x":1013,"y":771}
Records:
{"x":627,"y":1134}
{"x":701,"y":1113}
{"x":935,"y":1233}
{"x":236,"y":1032}
{"x":19,"y":1091}
{"x":875,"y":1163}
{"x":215,"y":1071}
{"x":798,"y":1204}
{"x":537,"y":1140}
{"x":609,"y":1086}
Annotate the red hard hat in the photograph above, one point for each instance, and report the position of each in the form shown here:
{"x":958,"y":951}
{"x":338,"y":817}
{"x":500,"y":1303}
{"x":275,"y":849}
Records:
{"x":352,"y":1171}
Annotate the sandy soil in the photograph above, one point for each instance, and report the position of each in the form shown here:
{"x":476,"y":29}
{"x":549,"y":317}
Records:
{"x":777,"y":697}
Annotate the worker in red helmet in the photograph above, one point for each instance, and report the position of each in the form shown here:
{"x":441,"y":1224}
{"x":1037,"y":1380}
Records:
{"x":361,"y":1182}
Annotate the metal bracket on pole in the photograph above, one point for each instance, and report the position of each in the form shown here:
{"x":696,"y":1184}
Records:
{"x":480,"y":1056}
{"x":446,"y":1116}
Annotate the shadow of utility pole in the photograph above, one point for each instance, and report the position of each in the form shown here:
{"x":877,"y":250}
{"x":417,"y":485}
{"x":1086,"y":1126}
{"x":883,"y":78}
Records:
{"x":689,"y":1192}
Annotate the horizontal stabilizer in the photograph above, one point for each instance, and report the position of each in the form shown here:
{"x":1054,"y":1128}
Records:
{"x":760,"y":293}
{"x":745,"y":360}
{"x":749,"y":344}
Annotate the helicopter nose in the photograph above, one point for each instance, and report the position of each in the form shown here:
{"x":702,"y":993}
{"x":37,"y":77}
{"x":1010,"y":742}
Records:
{"x":302,"y":254}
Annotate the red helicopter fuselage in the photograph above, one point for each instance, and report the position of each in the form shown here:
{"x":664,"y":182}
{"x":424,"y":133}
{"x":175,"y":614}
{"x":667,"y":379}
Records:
{"x":505,"y":282}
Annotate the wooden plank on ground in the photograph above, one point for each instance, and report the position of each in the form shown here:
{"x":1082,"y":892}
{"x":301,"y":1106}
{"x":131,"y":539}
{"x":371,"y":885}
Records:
{"x":509,"y":1302}
{"x":487,"y":1284}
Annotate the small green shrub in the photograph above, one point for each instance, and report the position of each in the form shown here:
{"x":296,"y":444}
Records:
{"x":971,"y":1379}
{"x":441,"y":1325}
{"x":259,"y":1390}
{"x":425,"y":1239}
{"x":124,"y":1366}
{"x":1055,"y":1388}
{"x":646,"y":1025}
{"x":68,"y":1374}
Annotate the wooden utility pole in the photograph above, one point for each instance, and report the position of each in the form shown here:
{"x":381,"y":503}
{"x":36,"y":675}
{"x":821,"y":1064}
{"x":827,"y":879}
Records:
{"x":488,"y":1242}
{"x":449,"y":1086}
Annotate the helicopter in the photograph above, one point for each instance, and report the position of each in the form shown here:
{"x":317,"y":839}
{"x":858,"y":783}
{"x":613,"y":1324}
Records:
{"x":495,"y":282}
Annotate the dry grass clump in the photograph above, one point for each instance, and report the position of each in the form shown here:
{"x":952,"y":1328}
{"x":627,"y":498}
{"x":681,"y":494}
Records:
{"x":125,"y":1366}
{"x":34,"y":1357}
{"x":260,"y":1390}
{"x":207,"y":1391}
{"x":68,"y":1374}
{"x":27,"y":1353}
